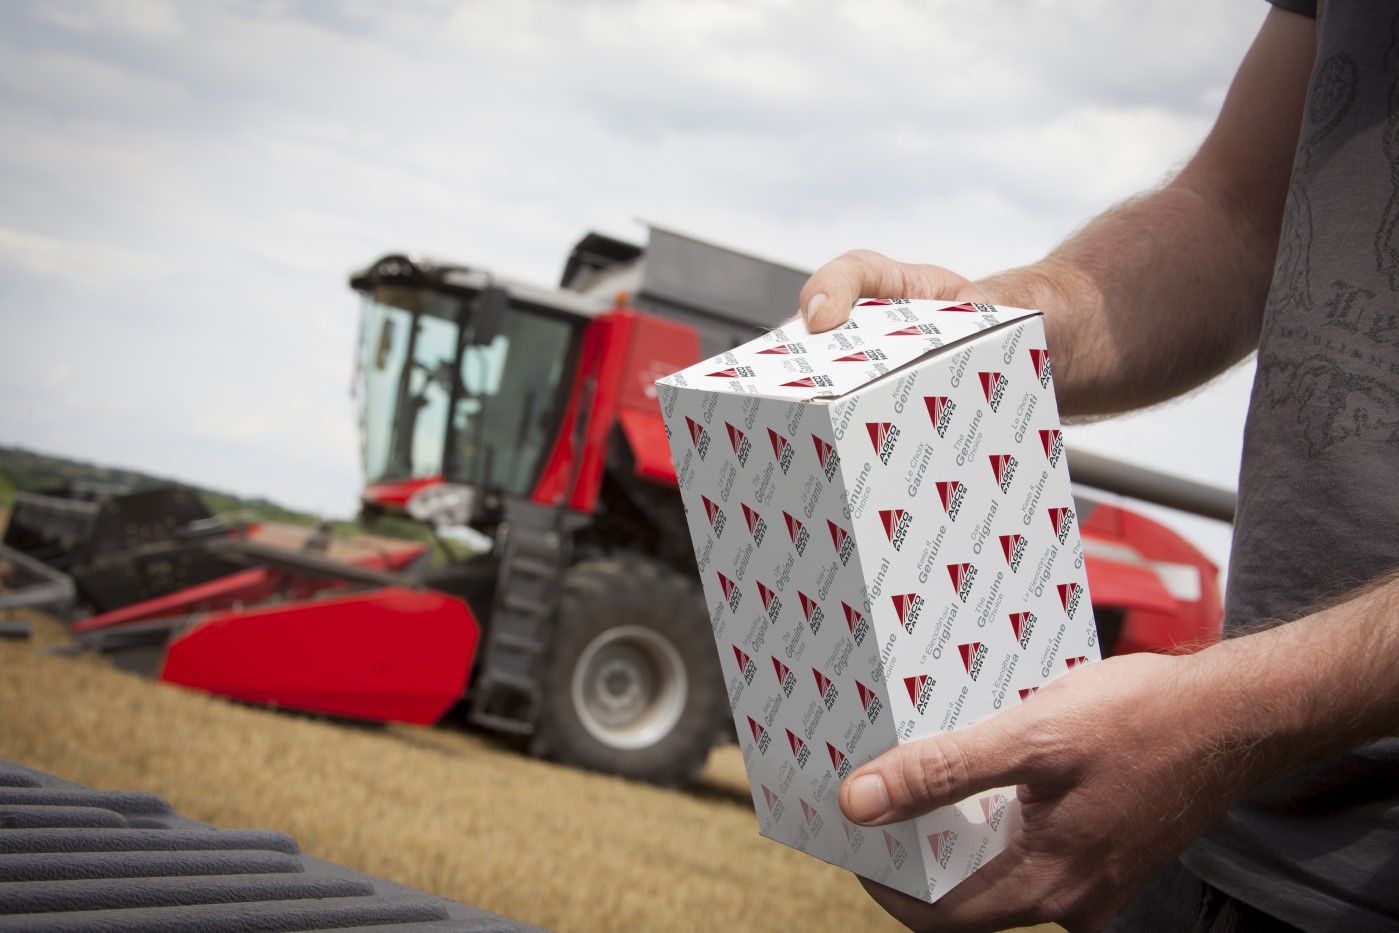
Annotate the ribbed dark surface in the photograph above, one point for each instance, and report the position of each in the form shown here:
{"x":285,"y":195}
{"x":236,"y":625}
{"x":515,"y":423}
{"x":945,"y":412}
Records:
{"x":76,"y":859}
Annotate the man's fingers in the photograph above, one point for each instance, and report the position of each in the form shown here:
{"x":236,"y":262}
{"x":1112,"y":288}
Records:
{"x":832,"y":290}
{"x":909,"y":780}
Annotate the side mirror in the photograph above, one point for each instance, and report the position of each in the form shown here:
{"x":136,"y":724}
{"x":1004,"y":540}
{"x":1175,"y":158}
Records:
{"x":385,"y":347}
{"x":490,"y":312}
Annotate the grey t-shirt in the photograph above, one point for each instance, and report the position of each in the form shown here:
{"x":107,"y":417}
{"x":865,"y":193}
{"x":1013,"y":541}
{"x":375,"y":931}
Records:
{"x":1318,"y":846}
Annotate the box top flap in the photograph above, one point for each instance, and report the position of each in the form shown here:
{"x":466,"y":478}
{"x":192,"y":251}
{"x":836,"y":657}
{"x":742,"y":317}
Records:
{"x":882,"y":334}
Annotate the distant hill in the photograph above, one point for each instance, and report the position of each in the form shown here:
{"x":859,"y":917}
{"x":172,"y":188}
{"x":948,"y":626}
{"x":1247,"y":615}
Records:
{"x":26,"y":471}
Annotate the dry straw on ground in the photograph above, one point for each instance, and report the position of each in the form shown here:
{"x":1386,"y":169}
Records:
{"x":448,"y":812}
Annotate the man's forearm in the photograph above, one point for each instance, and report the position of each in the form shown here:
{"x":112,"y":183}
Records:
{"x":1167,"y":290}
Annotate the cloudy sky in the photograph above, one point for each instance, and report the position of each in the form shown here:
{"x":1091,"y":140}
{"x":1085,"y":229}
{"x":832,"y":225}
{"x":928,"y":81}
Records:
{"x":185,"y":186}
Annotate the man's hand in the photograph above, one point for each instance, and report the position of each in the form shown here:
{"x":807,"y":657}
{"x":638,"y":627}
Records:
{"x":829,"y":294}
{"x":1119,"y":766}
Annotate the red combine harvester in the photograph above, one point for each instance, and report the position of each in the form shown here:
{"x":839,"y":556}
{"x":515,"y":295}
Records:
{"x":526,"y":419}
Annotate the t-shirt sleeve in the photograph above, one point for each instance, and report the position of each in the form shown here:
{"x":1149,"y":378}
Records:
{"x":1305,"y":7}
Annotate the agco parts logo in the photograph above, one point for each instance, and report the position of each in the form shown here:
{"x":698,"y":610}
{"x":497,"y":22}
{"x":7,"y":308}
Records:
{"x":814,"y":820}
{"x":812,"y":610}
{"x":699,"y":436}
{"x":838,"y":763}
{"x":799,"y":750}
{"x":915,"y":330}
{"x":1062,"y":520}
{"x":825,"y":688}
{"x":785,"y":677}
{"x":1069,"y":594}
{"x":798,"y":533}
{"x":897,"y":854}
{"x":1003,"y":467}
{"x":859,"y":628}
{"x":973,"y":657}
{"x":774,"y":802}
{"x":756,"y":526}
{"x":828,"y":458}
{"x":814,"y":381}
{"x":731,"y":591}
{"x":783,"y":349}
{"x":771,"y":602}
{"x":961,"y":576}
{"x":740,"y":444}
{"x":993,"y":386}
{"x":734,"y":372}
{"x":1040,"y":359}
{"x":716,"y":516}
{"x":1053,"y":445}
{"x":952,"y":493}
{"x":940,"y":410}
{"x":940,"y":844}
{"x":1013,"y":546}
{"x":883,"y":435}
{"x":862,"y":356}
{"x":781,"y":450}
{"x":994,"y":808}
{"x":908,"y":606}
{"x":745,"y":665}
{"x":760,"y":735}
{"x":869,"y":700}
{"x":896,"y":525}
{"x":1023,"y":624}
{"x":920,"y":691}
{"x":841,"y":540}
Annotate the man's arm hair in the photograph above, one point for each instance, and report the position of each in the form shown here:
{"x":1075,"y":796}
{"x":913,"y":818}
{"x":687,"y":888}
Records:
{"x":1167,"y":290}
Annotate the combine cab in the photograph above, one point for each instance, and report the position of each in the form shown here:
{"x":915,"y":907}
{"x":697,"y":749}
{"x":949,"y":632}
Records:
{"x":524,"y":420}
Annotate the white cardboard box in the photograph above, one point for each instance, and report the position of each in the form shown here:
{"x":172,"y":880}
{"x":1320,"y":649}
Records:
{"x":884,"y":529}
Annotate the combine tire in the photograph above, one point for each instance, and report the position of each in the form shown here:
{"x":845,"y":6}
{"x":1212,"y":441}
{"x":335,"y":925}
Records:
{"x":633,"y":686}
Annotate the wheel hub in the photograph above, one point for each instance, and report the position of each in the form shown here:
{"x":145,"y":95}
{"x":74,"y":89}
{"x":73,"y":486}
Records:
{"x":629,"y":687}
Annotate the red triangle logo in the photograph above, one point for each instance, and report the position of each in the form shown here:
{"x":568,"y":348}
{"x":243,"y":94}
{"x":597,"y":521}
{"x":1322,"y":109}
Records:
{"x":988,"y":383}
{"x":1039,"y":358}
{"x":866,"y":695}
{"x":1075,"y":662}
{"x":1028,"y":692}
{"x":946,"y":491}
{"x":756,"y":729}
{"x":1066,"y":592}
{"x":805,"y":382}
{"x":859,"y":357}
{"x":743,"y":659}
{"x":937,"y":842}
{"x":1056,"y":519}
{"x":823,"y":683}
{"x":1008,"y":543}
{"x":852,"y":617}
{"x":849,"y":829}
{"x":766,"y":594}
{"x":837,"y":759}
{"x":823,"y":450}
{"x":838,"y":535}
{"x":936,"y":404}
{"x":1017,"y":623}
{"x":968,"y":652}
{"x":808,"y":604}
{"x":808,"y":811}
{"x":735,"y":436}
{"x":782,"y":670}
{"x":696,"y":432}
{"x":779,"y":443}
{"x":871,"y":302}
{"x":964,"y":306}
{"x":729,"y":373}
{"x":771,"y":797}
{"x":781,"y":349}
{"x":914,"y":685}
{"x":956,"y":572}
{"x":892,"y":844}
{"x":710,"y":509}
{"x":891,"y":519}
{"x":879,"y":432}
{"x":750,"y":516}
{"x":1048,"y":439}
{"x":794,"y":527}
{"x":989,"y":805}
{"x":726,"y":583}
{"x":906,"y":332}
{"x":796,"y":743}
{"x":902,"y":602}
{"x":998,"y":466}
